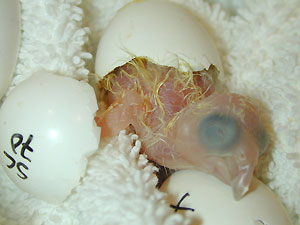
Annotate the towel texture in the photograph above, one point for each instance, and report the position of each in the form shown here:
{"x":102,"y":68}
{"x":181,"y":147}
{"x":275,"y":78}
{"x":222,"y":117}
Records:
{"x":259,"y":44}
{"x":52,"y":39}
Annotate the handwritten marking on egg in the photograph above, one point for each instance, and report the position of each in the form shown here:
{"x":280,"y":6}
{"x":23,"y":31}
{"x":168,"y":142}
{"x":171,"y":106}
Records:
{"x":47,"y":132}
{"x":212,"y":201}
{"x":25,"y":146}
{"x":178,"y":207}
{"x":9,"y":41}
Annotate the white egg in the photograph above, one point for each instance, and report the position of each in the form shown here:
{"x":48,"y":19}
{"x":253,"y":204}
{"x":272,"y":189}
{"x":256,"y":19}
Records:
{"x":47,"y":132}
{"x":9,"y":41}
{"x":163,"y":32}
{"x":213,"y":203}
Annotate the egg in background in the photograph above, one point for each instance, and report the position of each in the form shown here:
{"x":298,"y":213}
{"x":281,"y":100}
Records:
{"x":9,"y":41}
{"x":213,"y":203}
{"x":162,"y":32}
{"x":47,"y":132}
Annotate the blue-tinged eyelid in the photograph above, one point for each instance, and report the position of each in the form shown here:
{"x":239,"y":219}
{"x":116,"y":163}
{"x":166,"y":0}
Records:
{"x":219,"y":132}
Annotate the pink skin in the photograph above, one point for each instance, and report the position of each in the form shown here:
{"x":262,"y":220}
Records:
{"x":234,"y":166}
{"x":172,"y":130}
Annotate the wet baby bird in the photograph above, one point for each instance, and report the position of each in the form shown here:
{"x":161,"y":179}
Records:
{"x":183,"y":122}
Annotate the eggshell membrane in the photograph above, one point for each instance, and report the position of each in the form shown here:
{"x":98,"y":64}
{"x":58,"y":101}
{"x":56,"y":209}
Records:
{"x":59,"y":113}
{"x":163,"y":32}
{"x":214,"y":204}
{"x":9,"y":41}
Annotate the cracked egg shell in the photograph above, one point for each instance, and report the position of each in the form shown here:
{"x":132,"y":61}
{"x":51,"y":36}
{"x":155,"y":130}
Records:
{"x":213,"y":203}
{"x":163,"y":32}
{"x":9,"y":41}
{"x":47,"y":132}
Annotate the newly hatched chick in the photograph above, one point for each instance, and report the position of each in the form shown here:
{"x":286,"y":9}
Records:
{"x":183,"y":122}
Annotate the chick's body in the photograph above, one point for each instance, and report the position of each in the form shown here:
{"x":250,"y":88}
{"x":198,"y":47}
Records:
{"x":183,"y":122}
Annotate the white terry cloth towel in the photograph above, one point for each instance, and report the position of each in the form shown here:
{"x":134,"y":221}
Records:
{"x":259,"y":43}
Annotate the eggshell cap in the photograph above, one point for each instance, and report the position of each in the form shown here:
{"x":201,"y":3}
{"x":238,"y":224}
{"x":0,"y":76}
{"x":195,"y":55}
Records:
{"x":163,"y":32}
{"x":214,"y":204}
{"x":9,"y":41}
{"x":49,"y":120}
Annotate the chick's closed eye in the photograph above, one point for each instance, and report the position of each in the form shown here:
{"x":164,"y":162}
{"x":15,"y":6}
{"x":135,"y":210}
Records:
{"x":219,"y":132}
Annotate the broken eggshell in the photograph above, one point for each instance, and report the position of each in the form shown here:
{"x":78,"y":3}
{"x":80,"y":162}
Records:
{"x":9,"y":41}
{"x":47,"y":132}
{"x":208,"y":201}
{"x":162,"y":32}
{"x":167,"y":35}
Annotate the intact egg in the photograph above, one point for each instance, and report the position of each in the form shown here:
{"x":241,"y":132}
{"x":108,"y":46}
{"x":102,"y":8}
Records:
{"x":160,"y":31}
{"x":47,"y":132}
{"x":9,"y":41}
{"x":209,"y":201}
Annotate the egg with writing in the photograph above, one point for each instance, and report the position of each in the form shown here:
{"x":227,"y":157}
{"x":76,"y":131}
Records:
{"x":208,"y":201}
{"x":162,"y":32}
{"x":47,"y":132}
{"x":9,"y":41}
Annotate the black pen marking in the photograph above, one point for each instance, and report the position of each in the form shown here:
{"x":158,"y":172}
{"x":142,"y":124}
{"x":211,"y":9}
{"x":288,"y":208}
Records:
{"x":178,"y":207}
